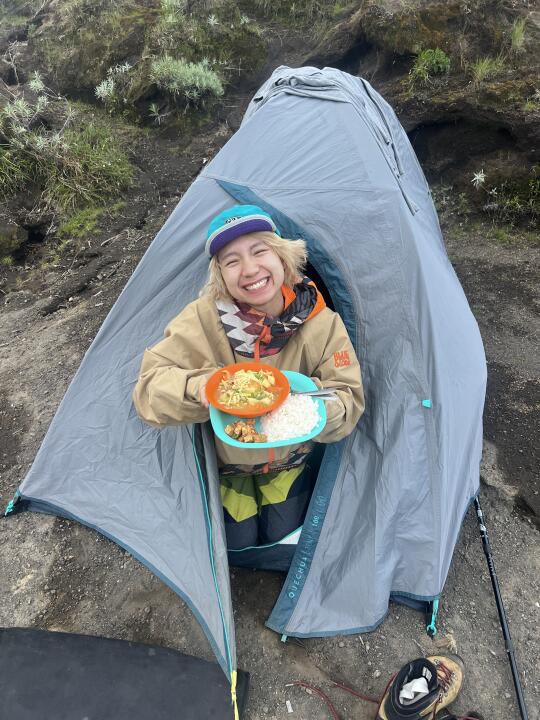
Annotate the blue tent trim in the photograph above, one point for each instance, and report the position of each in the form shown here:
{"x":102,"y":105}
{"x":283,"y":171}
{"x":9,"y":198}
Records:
{"x":307,"y":543}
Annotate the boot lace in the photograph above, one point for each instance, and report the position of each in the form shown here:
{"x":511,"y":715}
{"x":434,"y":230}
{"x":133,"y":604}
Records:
{"x":444,"y":676}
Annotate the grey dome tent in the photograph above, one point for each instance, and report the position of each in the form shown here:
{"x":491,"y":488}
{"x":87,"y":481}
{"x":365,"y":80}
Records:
{"x":324,"y":154}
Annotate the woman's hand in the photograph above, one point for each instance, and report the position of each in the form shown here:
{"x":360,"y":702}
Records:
{"x":204,"y":399}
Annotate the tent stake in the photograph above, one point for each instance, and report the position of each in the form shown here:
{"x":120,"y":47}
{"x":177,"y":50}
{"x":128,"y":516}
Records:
{"x":500,"y":607}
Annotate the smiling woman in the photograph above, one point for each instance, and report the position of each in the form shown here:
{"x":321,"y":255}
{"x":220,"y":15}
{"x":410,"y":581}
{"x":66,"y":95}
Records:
{"x":253,"y":273}
{"x":256,"y":304}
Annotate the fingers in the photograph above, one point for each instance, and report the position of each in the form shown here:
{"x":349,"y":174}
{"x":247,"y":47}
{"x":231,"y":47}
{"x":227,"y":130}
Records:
{"x":204,"y":399}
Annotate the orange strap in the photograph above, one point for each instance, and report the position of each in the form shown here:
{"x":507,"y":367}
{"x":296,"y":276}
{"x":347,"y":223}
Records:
{"x":289,"y":295}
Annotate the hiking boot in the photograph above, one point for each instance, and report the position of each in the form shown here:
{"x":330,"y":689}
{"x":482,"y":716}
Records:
{"x":443,"y":674}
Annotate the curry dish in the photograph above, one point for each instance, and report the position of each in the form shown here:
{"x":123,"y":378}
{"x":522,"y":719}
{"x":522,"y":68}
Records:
{"x":246,"y":388}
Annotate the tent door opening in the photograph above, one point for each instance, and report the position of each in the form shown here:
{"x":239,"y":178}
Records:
{"x":313,"y":274}
{"x":278,"y":555}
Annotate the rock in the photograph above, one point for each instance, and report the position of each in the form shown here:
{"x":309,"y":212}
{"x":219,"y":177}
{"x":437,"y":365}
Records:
{"x":12,"y":236}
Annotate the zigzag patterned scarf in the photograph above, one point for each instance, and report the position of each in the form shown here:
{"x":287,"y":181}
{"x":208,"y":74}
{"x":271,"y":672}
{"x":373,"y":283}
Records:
{"x":253,"y":334}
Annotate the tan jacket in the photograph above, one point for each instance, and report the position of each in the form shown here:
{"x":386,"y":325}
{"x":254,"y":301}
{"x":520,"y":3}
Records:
{"x":196,"y":345}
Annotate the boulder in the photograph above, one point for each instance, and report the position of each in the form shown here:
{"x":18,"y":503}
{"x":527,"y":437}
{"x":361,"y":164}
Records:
{"x":12,"y":236}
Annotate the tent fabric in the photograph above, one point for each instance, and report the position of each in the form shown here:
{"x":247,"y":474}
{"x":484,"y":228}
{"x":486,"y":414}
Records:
{"x":334,"y":166}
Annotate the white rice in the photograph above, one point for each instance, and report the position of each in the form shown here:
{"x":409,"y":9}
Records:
{"x":297,"y":416}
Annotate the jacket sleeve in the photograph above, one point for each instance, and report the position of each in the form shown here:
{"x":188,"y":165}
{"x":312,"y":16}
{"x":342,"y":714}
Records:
{"x":339,"y":369}
{"x":172,"y":373}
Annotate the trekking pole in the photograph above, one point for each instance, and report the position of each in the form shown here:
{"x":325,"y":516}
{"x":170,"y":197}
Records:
{"x":500,"y":607}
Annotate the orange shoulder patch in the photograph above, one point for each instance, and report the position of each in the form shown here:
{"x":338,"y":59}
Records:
{"x":341,"y":359}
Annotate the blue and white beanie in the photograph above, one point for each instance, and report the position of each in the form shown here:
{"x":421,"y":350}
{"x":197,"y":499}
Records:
{"x":235,"y":221}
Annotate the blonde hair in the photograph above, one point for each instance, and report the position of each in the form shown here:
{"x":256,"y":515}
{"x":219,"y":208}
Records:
{"x":292,"y":253}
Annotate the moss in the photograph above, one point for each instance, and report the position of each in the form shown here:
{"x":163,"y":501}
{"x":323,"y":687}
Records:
{"x":86,"y":37}
{"x":81,"y":223}
{"x":116,"y":208}
{"x":84,"y":221}
{"x":411,"y":29}
{"x":7,"y":261}
{"x":510,"y":235}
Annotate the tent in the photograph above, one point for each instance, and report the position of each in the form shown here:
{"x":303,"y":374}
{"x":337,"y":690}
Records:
{"x":325,"y":155}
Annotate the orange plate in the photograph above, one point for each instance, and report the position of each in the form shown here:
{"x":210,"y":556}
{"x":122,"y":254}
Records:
{"x":281,"y":389}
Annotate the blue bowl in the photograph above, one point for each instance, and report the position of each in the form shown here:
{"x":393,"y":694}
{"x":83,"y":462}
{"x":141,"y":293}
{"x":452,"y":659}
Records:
{"x":297,"y":381}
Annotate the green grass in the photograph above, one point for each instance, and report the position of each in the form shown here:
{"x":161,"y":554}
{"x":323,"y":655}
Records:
{"x":428,"y":64}
{"x":510,"y":235}
{"x":517,"y":35}
{"x":81,"y":165}
{"x":91,"y":169}
{"x":486,"y":67}
{"x":301,"y":10}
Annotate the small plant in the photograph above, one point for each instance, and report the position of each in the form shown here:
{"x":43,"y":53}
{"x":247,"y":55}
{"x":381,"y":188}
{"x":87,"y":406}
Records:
{"x":7,"y":261}
{"x":173,"y":7}
{"x":486,"y":67}
{"x":511,"y":201}
{"x":156,"y":114}
{"x":517,"y":35}
{"x":479,"y":178}
{"x":428,"y":64}
{"x":533,"y":102}
{"x":36,"y":83}
{"x":193,"y":81}
{"x":502,"y":235}
{"x":76,"y":165}
{"x":113,"y":89}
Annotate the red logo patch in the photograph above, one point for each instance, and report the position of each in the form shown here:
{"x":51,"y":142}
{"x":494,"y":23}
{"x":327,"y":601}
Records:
{"x":341,"y":359}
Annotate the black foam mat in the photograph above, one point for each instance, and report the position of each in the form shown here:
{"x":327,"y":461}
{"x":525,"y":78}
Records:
{"x":61,"y":676}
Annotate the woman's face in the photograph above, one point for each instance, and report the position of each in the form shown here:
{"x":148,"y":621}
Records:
{"x":253,"y":273}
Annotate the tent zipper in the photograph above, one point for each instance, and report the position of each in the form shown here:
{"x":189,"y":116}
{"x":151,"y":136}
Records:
{"x":382,"y":133}
{"x":383,"y":136}
{"x":390,"y":138}
{"x":232,"y":671}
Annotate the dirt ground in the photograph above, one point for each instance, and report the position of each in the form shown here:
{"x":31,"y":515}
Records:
{"x":58,"y":575}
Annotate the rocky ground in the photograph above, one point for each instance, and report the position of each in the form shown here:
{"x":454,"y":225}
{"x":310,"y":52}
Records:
{"x":61,"y":576}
